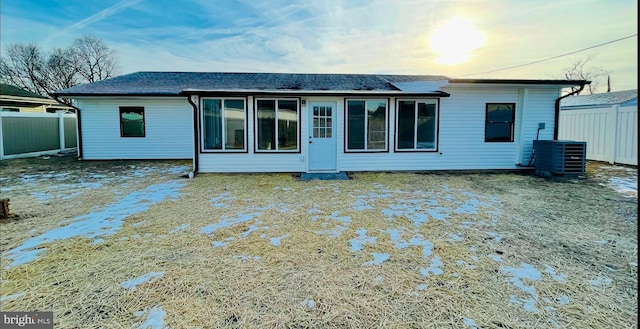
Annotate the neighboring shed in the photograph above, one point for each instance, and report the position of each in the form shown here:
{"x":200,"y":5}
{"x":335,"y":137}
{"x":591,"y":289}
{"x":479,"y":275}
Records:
{"x":608,"y":122}
{"x":290,"y":122}
{"x":14,"y":99}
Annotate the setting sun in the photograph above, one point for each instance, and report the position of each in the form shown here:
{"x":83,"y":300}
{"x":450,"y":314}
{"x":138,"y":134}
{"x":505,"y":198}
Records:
{"x":454,"y":41}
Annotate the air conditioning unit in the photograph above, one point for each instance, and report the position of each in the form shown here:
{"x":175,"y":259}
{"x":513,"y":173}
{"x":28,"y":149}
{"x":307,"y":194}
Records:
{"x":560,"y":157}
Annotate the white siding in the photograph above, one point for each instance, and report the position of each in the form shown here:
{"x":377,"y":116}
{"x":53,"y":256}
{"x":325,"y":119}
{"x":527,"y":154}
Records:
{"x":611,"y":132}
{"x":461,"y":136}
{"x":168,"y":129}
{"x":540,"y":108}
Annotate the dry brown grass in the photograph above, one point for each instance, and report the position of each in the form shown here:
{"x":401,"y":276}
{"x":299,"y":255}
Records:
{"x":580,"y":228}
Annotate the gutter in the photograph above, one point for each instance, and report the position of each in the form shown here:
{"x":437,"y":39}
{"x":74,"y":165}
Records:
{"x":556,"y":119}
{"x":196,"y":137}
{"x":78,"y":124}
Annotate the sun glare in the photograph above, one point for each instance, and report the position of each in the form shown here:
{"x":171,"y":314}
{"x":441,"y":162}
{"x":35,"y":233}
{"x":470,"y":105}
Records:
{"x":455,"y":40}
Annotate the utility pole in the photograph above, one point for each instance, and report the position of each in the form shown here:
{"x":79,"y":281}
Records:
{"x":608,"y":83}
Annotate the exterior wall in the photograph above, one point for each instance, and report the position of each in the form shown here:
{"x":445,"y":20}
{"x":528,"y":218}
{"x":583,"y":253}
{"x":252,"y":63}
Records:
{"x":168,"y":129}
{"x":461,"y":136}
{"x":611,"y":132}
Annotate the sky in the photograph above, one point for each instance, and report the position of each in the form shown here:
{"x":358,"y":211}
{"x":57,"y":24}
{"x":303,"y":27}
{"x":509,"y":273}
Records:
{"x":502,"y":39}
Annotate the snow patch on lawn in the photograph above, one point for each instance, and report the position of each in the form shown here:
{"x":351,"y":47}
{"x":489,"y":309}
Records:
{"x":518,"y":274}
{"x":98,"y":223}
{"x":358,"y":243}
{"x":378,"y":258}
{"x":625,"y":185}
{"x":10,"y":297}
{"x":131,"y":284}
{"x":179,"y":228}
{"x":154,"y":320}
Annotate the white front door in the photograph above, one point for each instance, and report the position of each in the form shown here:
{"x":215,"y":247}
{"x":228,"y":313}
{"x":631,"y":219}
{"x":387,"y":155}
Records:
{"x":322,"y":139}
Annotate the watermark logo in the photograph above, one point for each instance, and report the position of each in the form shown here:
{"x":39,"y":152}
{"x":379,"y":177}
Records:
{"x":30,"y":320}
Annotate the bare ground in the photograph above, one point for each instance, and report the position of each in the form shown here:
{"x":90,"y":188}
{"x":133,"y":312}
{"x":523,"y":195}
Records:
{"x":388,"y":250}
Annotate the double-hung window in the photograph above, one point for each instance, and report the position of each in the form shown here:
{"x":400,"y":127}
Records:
{"x":132,"y":121}
{"x":366,"y":125}
{"x":499,"y":122}
{"x":417,"y":125}
{"x":277,"y":125}
{"x":223,"y":124}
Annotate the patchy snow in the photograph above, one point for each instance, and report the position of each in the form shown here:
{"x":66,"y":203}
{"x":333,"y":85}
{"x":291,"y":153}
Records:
{"x":220,"y":200}
{"x":179,"y":228}
{"x":131,"y":284}
{"x":246,"y":258}
{"x":434,"y":267}
{"x":496,"y":258}
{"x":561,"y":277}
{"x":470,"y":323}
{"x":600,"y":281}
{"x":229,"y":221}
{"x":154,"y":319}
{"x":276,"y":241}
{"x":625,"y":185}
{"x":455,"y":237}
{"x":495,"y":236}
{"x":358,"y":243}
{"x":518,"y":274}
{"x":378,"y":258}
{"x":563,"y":300}
{"x":10,"y":297}
{"x":308,"y":303}
{"x":97,"y":223}
{"x":417,"y":240}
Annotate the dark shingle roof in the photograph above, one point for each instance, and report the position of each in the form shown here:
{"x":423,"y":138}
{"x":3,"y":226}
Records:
{"x":172,"y":83}
{"x":10,"y":90}
{"x":610,"y":98}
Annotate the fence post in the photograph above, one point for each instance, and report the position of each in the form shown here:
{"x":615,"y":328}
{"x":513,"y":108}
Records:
{"x":61,"y":128}
{"x":610,"y":134}
{"x":616,"y":133}
{"x":1,"y":139}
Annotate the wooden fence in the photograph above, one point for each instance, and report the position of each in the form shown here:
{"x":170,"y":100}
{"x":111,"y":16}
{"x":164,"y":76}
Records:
{"x":611,"y":132}
{"x":27,"y":134}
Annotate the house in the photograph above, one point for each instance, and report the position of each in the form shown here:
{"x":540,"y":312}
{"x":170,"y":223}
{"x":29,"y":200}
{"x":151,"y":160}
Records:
{"x":279,"y":122}
{"x":608,"y":122}
{"x":14,"y":99}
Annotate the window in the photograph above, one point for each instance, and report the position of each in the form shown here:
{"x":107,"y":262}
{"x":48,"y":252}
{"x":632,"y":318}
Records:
{"x":366,"y":125}
{"x":132,"y":121}
{"x":10,"y":109}
{"x":499,"y":122}
{"x":223,"y":124}
{"x":417,"y":125}
{"x":277,"y":125}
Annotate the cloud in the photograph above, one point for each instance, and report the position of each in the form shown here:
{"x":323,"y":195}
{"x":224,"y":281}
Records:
{"x":105,"y":13}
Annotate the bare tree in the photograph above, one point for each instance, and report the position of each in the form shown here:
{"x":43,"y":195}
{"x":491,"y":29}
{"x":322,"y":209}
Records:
{"x":92,"y":59}
{"x":579,"y":70}
{"x":88,"y":59}
{"x":24,"y":67}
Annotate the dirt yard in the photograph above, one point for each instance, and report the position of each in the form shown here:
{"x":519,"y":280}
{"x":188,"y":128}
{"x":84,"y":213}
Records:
{"x":135,"y":244}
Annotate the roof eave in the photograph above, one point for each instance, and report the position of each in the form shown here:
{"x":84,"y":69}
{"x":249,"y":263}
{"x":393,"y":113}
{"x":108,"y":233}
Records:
{"x":311,"y":92}
{"x":566,"y":83}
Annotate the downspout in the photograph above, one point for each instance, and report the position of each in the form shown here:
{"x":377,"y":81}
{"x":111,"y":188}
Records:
{"x":196,"y":135}
{"x":556,"y":119}
{"x":78,"y":124}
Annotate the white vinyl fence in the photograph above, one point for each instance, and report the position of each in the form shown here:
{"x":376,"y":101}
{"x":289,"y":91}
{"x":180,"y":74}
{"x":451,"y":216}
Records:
{"x":611,"y":132}
{"x":26,"y":134}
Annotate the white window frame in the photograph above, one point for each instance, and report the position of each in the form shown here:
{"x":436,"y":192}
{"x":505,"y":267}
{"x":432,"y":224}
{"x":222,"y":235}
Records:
{"x":366,"y":126}
{"x":415,"y":125}
{"x":256,"y":126}
{"x":223,"y":126}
